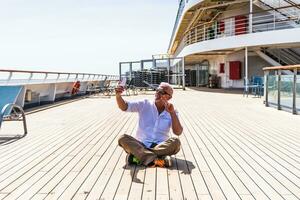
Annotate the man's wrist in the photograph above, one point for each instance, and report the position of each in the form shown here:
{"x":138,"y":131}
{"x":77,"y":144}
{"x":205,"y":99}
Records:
{"x":173,"y":113}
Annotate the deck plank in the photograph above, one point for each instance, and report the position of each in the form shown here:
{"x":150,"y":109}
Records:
{"x":149,"y":190}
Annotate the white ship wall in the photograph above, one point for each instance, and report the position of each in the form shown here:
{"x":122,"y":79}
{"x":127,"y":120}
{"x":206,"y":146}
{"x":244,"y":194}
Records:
{"x":255,"y":65}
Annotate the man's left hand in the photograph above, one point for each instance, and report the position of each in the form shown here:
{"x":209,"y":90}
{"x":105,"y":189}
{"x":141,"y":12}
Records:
{"x":169,"y":107}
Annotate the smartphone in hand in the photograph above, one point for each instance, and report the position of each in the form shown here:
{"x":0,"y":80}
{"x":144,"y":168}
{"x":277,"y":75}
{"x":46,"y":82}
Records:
{"x":122,"y":82}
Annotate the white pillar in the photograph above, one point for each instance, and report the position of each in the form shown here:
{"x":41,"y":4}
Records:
{"x":250,"y":16}
{"x":246,"y":68}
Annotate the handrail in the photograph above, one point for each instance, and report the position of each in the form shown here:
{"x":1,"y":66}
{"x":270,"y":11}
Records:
{"x":57,"y":77}
{"x":288,"y":67}
{"x":49,"y":72}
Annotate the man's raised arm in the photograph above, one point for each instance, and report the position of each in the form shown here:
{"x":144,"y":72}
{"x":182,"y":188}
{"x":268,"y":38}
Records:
{"x":176,"y":125}
{"x":120,"y":101}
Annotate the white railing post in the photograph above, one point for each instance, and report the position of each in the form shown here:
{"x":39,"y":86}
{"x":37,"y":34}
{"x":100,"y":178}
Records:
{"x":246,"y":70}
{"x":45,"y":78}
{"x":204,"y":33}
{"x":231,"y":27}
{"x":58,"y":76}
{"x":9,"y":77}
{"x":196,"y":39}
{"x":215,"y":30}
{"x":30,"y":77}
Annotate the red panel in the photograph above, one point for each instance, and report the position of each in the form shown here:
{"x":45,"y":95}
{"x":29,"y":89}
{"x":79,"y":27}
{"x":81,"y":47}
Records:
{"x":240,"y":25}
{"x":221,"y":27}
{"x":235,"y":70}
{"x":222,"y":68}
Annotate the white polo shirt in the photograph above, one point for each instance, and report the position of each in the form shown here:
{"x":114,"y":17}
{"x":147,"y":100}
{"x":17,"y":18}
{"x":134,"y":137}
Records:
{"x":153,"y":127}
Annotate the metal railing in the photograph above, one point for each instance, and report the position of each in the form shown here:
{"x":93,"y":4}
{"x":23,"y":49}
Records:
{"x":154,"y":71}
{"x":238,"y":25}
{"x":282,"y":91}
{"x":22,"y":77}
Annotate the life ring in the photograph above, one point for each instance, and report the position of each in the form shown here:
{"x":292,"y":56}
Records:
{"x":75,"y":88}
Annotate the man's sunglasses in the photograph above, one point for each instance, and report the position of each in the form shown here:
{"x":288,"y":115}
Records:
{"x":162,"y":92}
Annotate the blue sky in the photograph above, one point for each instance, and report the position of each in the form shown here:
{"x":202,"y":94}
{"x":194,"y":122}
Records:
{"x":82,"y":35}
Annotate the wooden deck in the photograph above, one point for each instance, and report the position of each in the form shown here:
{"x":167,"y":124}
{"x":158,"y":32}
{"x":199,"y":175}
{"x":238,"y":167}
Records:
{"x":232,"y":148}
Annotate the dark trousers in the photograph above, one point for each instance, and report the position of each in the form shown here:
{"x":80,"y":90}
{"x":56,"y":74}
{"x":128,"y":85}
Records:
{"x":147,"y":155}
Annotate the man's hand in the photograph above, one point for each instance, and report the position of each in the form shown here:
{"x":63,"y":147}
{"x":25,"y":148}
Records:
{"x":169,"y":107}
{"x":119,"y":89}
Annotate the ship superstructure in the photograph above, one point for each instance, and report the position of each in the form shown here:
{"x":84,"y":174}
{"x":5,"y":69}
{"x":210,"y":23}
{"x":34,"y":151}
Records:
{"x":229,"y":42}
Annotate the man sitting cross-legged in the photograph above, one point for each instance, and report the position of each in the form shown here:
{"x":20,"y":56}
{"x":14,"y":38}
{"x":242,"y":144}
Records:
{"x":152,"y":145}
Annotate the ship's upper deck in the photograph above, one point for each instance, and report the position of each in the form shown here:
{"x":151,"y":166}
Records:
{"x":232,"y":148}
{"x":214,"y":27}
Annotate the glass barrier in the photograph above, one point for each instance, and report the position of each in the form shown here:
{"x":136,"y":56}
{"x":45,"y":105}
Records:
{"x":298,"y":93}
{"x":272,"y":89}
{"x":286,"y":91}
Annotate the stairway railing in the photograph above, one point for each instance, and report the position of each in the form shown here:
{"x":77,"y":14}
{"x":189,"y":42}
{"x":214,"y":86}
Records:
{"x":284,"y":56}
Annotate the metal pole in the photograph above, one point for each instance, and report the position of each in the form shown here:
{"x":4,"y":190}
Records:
{"x":274,"y":19}
{"x":9,"y":77}
{"x":204,"y":33}
{"x":250,"y":16}
{"x":168,"y":70}
{"x":183,"y":74}
{"x":120,"y":70}
{"x":266,"y":81}
{"x":130,"y":71}
{"x":45,"y":78}
{"x":30,"y":77}
{"x":196,"y":34}
{"x":246,"y":69}
{"x":57,"y":78}
{"x":295,"y":91}
{"x":142,"y":65}
{"x":279,"y":88}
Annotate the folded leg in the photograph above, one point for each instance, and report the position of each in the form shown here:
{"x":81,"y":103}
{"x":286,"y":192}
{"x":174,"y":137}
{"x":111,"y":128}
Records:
{"x":137,"y":148}
{"x":168,"y":147}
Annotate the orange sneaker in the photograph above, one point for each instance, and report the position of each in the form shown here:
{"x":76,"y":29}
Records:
{"x":162,"y":162}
